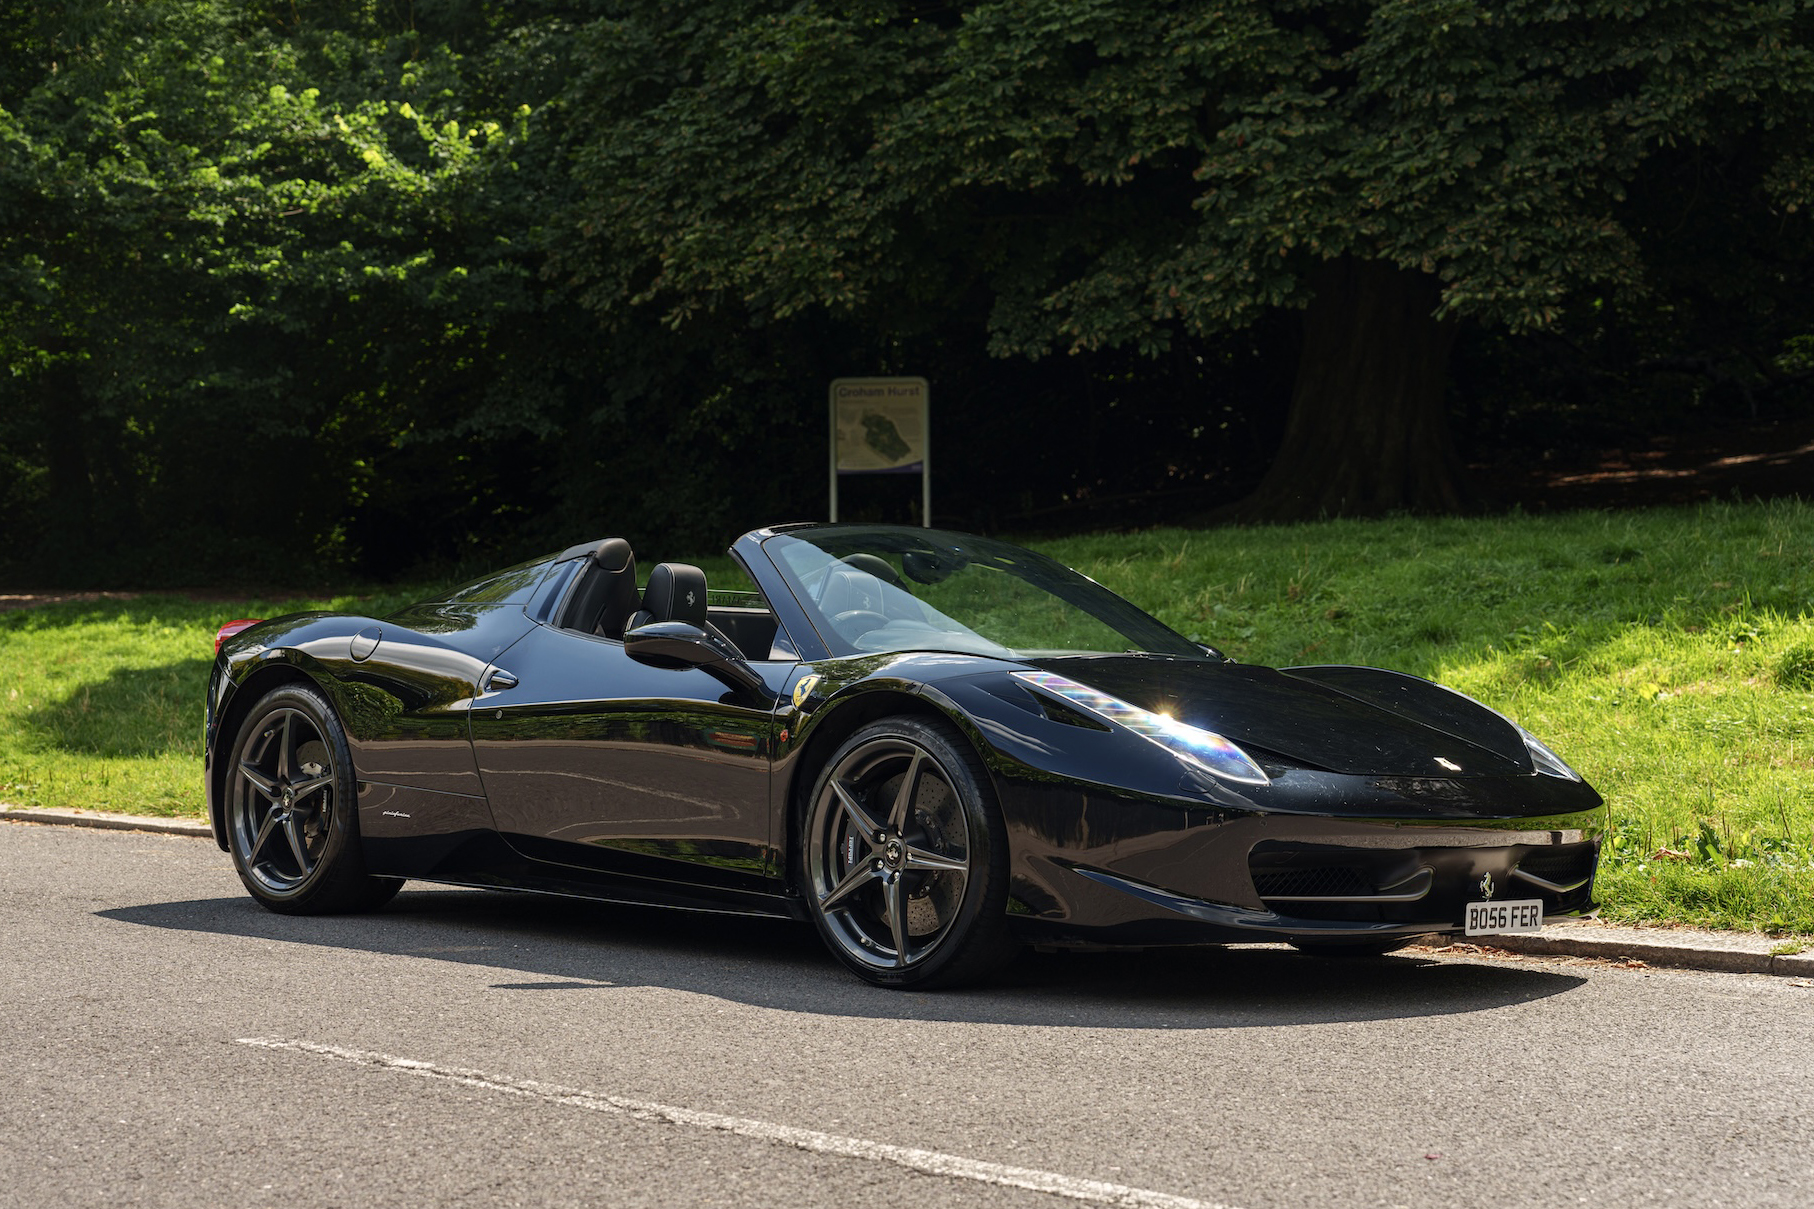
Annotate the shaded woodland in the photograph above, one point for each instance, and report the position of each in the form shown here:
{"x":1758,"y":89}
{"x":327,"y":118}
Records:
{"x":373,"y":289}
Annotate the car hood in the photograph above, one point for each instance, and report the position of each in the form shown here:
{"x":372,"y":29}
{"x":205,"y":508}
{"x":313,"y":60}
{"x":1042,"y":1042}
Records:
{"x":1362,"y":721}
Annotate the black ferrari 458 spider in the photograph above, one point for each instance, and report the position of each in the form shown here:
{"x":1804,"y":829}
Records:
{"x":935,"y":747}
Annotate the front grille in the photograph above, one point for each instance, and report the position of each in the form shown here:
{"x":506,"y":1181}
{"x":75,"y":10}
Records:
{"x":1562,"y":865}
{"x":1331,"y":881}
{"x":1426,"y":885}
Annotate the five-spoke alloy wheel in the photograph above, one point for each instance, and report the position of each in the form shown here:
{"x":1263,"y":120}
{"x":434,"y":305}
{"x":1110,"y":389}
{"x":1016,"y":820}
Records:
{"x":905,"y":857}
{"x":291,"y":813}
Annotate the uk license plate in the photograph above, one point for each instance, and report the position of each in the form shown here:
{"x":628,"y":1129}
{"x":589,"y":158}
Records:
{"x":1497,"y":919}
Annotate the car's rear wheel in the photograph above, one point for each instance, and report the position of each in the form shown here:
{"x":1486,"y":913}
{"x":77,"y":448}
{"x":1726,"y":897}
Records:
{"x":292,"y":818}
{"x":904,"y":857}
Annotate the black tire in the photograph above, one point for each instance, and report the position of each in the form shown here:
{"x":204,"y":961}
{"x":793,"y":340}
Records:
{"x":907,"y":880}
{"x":1365,"y":948}
{"x":292,"y":809}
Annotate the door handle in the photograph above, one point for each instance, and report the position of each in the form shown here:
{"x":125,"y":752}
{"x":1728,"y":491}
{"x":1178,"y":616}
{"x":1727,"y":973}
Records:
{"x":497,"y":678}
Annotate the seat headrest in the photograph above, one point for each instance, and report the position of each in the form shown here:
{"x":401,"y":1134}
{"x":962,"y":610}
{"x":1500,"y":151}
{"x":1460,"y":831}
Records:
{"x":612,"y":554}
{"x":875,"y":565}
{"x":617,"y":567}
{"x":604,"y":596}
{"x":850,"y":590}
{"x":676,"y":592}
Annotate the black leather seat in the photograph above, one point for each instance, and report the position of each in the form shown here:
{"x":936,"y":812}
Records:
{"x":848,"y":590}
{"x":605,"y":596}
{"x":677,"y":592}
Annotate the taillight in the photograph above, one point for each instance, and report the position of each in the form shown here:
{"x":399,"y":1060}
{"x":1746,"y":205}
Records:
{"x":231,"y":628}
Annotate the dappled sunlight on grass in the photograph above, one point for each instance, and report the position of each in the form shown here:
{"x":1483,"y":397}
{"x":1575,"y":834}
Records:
{"x":103,"y":709}
{"x":1747,"y":896}
{"x":1689,"y":736}
{"x":133,"y":712}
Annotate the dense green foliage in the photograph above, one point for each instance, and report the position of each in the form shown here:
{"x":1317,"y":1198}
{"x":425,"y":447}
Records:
{"x":1094,"y":174}
{"x":1669,"y":655}
{"x":1119,"y":172}
{"x":292,"y":288}
{"x":257,"y":263}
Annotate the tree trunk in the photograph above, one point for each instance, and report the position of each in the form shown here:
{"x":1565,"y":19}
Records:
{"x":1367,"y":432}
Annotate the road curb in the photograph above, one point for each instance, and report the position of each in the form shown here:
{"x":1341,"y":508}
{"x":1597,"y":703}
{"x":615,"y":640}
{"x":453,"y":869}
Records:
{"x":1681,"y":949}
{"x":109,"y":821}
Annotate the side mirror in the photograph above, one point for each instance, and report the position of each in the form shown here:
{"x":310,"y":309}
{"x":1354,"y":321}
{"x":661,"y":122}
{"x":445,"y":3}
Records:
{"x":682,"y":644}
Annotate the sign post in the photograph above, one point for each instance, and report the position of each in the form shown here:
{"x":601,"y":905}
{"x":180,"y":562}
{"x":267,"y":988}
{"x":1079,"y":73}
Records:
{"x":882,"y":426}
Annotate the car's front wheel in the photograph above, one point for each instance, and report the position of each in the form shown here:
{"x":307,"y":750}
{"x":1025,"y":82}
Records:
{"x":292,"y":821}
{"x":904,"y":861}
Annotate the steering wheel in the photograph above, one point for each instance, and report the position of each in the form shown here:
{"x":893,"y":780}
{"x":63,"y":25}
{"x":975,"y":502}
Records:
{"x":854,"y":623}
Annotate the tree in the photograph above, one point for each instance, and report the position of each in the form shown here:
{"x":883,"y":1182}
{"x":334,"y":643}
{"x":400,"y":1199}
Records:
{"x":240,"y":261}
{"x":1130,"y":173}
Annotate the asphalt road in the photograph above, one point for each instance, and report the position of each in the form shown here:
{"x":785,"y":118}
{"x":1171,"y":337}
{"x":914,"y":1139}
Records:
{"x":164,"y":1041}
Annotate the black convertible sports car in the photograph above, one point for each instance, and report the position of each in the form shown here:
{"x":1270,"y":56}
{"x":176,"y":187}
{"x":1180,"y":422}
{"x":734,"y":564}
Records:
{"x":933,"y":746}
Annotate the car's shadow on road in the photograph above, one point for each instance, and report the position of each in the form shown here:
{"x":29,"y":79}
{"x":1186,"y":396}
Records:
{"x":544,"y":945}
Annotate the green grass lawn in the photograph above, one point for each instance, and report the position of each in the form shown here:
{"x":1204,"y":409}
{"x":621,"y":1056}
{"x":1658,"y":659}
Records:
{"x":1667,"y":654}
{"x":103,"y":702}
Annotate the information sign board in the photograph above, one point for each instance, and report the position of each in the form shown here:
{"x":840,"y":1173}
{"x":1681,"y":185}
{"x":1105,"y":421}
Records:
{"x":881,"y":426}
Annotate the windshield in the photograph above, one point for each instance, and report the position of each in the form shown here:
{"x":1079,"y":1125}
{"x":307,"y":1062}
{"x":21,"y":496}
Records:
{"x":885,"y":588}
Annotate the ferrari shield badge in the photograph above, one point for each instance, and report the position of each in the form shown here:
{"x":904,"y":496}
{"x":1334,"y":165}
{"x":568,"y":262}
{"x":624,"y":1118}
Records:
{"x":804,"y":689}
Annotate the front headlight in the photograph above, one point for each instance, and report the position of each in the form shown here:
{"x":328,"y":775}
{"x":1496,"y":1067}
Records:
{"x":1547,"y":761}
{"x":1204,"y":749}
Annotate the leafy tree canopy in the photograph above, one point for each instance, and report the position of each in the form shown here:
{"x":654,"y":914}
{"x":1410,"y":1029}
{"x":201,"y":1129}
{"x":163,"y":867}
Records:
{"x":1126,"y":172}
{"x":374,"y":283}
{"x":222,"y":234}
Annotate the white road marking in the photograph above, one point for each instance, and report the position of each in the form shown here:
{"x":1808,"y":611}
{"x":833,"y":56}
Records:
{"x":931,"y":1162}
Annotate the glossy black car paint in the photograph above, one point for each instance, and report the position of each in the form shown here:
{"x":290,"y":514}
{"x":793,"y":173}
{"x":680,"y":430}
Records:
{"x":494,"y":748}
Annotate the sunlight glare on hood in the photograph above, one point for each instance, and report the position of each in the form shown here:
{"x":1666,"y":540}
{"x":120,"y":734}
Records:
{"x":1203,"y":748}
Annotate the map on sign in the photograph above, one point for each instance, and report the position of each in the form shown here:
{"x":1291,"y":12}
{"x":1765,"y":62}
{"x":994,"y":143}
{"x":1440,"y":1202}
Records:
{"x":880,"y":425}
{"x":881,"y":435}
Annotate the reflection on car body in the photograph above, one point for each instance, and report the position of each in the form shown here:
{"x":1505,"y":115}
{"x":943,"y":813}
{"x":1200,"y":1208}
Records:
{"x":933,"y":746}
